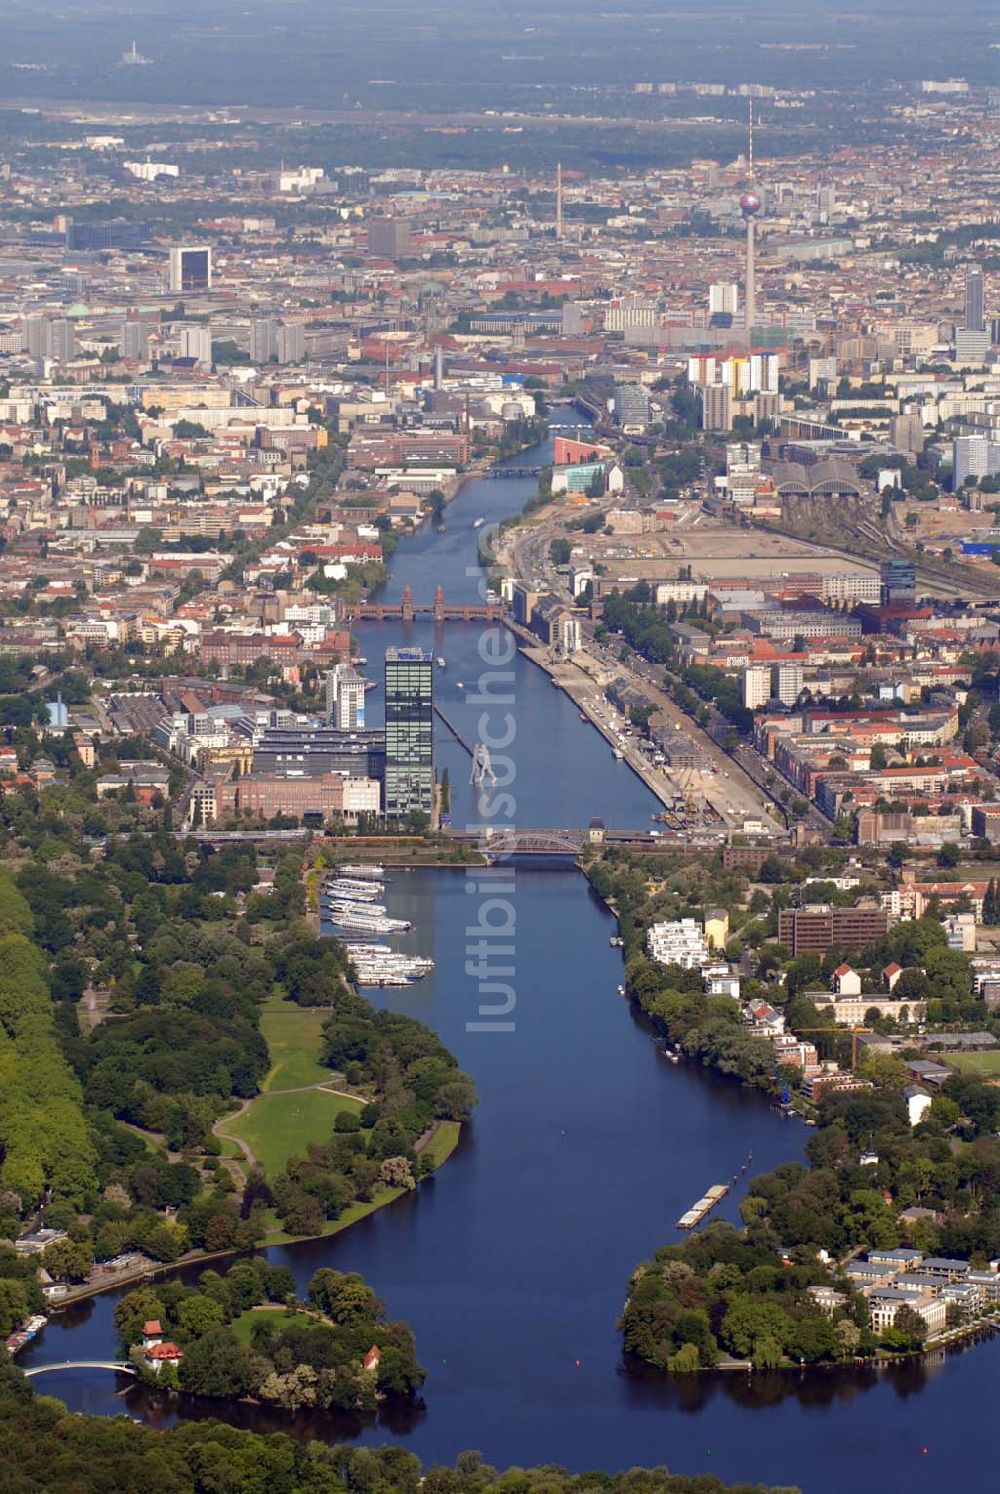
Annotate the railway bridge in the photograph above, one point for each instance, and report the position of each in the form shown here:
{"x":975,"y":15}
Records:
{"x":495,"y":841}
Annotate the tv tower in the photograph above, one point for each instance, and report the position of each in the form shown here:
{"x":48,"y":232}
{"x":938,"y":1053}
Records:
{"x":559,"y":201}
{"x":750,"y":207}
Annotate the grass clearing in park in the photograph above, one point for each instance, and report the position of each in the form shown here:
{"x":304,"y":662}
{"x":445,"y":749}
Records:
{"x":443,"y":1142}
{"x":439,"y":1149}
{"x":243,"y":1325}
{"x":292,"y":1034}
{"x":278,"y":1126}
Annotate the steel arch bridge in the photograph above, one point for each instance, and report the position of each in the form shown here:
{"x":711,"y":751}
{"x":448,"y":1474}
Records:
{"x":501,"y":841}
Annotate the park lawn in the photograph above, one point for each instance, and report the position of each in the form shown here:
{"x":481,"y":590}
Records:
{"x":382,"y":1196}
{"x":444,"y":1142}
{"x":243,"y":1325}
{"x":442,"y":1146}
{"x":278,"y":1126}
{"x":292,"y":1034}
{"x":981,"y":1065}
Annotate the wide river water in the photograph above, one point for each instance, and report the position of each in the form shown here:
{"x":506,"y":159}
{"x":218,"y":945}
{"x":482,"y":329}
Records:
{"x":587,"y":1146}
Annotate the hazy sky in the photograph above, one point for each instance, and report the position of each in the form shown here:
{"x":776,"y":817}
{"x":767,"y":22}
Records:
{"x":325,"y":52}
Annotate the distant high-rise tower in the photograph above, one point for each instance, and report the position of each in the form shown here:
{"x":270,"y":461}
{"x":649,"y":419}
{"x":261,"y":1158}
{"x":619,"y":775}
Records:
{"x":716,"y":407}
{"x":750,"y":207}
{"x":190,"y":269}
{"x":559,"y":201}
{"x":975,"y":300}
{"x":345,"y":698}
{"x":899,"y":582}
{"x":409,"y":732}
{"x":388,"y":238}
{"x":49,"y":337}
{"x":723,"y":301}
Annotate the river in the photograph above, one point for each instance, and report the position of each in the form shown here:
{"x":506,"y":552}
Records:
{"x":587,"y":1146}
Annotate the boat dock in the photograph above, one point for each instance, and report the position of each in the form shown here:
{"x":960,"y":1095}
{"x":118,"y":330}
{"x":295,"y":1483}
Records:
{"x":24,"y":1335}
{"x":703,"y":1207}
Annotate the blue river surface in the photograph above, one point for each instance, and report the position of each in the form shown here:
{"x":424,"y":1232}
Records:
{"x":512,"y":1263}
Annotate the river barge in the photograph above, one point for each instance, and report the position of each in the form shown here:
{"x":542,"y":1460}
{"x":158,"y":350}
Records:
{"x":703,"y":1207}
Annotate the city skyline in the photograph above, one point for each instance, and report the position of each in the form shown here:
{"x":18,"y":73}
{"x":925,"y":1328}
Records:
{"x":500,"y":748}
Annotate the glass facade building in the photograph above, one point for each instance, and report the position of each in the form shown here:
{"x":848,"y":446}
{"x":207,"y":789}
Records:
{"x":116,"y":233}
{"x":190,"y":269}
{"x":899,"y":581}
{"x":409,"y":732}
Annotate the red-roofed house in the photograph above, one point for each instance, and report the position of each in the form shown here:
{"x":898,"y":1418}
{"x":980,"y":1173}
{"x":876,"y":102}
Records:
{"x":157,"y":1355}
{"x":846,"y":981}
{"x":763,"y":1019}
{"x":372,"y":1360}
{"x":890,"y":975}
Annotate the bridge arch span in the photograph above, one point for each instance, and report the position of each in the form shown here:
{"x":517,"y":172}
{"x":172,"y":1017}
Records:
{"x":78,"y":1364}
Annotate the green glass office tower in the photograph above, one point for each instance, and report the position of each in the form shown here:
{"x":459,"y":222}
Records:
{"x":409,"y":732}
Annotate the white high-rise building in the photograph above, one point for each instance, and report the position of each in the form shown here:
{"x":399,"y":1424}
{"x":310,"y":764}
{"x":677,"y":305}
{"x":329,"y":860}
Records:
{"x":723,"y":298}
{"x":194,"y":341}
{"x":756,"y":686}
{"x":345,"y":698}
{"x":786,"y":683}
{"x":973,"y":456}
{"x":757,"y":374}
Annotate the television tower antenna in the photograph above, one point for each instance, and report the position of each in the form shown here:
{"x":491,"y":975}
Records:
{"x":750,"y":164}
{"x":559,"y":201}
{"x":750,"y":207}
